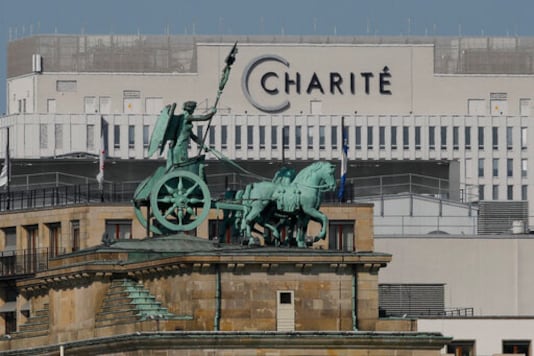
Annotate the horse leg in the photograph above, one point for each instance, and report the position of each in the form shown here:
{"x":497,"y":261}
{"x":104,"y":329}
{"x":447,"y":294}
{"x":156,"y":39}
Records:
{"x":316,"y":215}
{"x":302,"y":228}
{"x":249,"y":219}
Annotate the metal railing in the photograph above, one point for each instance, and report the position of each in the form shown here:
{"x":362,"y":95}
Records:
{"x":21,"y":262}
{"x":60,"y":189}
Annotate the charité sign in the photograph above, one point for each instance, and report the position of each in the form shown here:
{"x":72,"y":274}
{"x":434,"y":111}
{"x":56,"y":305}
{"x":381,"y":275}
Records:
{"x":281,"y":85}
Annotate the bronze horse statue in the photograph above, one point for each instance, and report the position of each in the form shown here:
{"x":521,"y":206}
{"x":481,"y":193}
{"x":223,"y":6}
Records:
{"x":277,"y":204}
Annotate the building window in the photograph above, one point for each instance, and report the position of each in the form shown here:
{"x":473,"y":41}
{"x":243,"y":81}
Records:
{"x":524,"y":107}
{"x":443,"y":136}
{"x":418,"y":137}
{"x":54,"y":235}
{"x":43,"y":136}
{"x":341,"y":235}
{"x":495,"y":167}
{"x":481,"y":167}
{"x":431,"y":137}
{"x":495,"y":137}
{"x":382,"y":137}
{"x":119,"y":229}
{"x":89,"y":105}
{"x":298,"y":137}
{"x":199,"y":135}
{"x":104,"y":104}
{"x":480,"y":138}
{"x":510,"y":167}
{"x":516,"y":347}
{"x":212,"y":133}
{"x":509,"y":137}
{"x":250,"y":137}
{"x":523,"y":137}
{"x":358,"y":137}
{"x":524,"y":167}
{"x":58,"y":136}
{"x":524,"y":192}
{"x":224,"y":136}
{"x":51,"y":106}
{"x":481,"y":192}
{"x":238,"y":137}
{"x":495,"y":192}
{"x":405,"y":137}
{"x":510,"y":192}
{"x":153,"y":105}
{"x":90,"y":137}
{"x":131,"y":136}
{"x":321,"y":137}
{"x":274,"y":136}
{"x":370,"y":137}
{"x":116,"y":136}
{"x":75,"y":235}
{"x":285,"y":136}
{"x":333,"y":134}
{"x":262,"y":137}
{"x":146,"y":136}
{"x":467,"y":137}
{"x":461,"y":348}
{"x":476,"y":107}
{"x":393,"y":137}
{"x":455,"y":138}
{"x":310,"y":137}
{"x":64,"y":86}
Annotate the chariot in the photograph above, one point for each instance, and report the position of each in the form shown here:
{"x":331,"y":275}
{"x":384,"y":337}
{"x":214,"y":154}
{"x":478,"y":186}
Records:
{"x":176,"y":197}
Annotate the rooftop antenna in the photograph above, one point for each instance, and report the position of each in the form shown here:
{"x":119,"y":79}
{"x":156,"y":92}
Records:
{"x":335,"y":30}
{"x":282,"y":30}
{"x":193,"y":29}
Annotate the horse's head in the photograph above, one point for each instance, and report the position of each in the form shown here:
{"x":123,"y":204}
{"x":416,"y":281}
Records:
{"x":326,"y":172}
{"x":318,"y":175}
{"x":330,"y":179}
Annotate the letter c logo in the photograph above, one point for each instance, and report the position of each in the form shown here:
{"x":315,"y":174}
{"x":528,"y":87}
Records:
{"x":245,"y":83}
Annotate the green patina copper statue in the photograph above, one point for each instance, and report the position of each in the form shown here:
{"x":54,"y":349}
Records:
{"x":289,"y":202}
{"x":178,"y":131}
{"x":177,"y":197}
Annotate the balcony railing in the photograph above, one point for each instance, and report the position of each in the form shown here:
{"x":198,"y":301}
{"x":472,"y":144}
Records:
{"x":21,"y":262}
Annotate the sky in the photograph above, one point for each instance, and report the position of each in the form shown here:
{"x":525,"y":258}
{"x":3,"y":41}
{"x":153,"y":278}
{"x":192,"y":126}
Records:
{"x":21,"y":18}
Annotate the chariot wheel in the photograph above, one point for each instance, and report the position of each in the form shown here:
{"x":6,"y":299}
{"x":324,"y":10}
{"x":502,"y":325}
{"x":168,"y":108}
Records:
{"x":175,"y":198}
{"x":140,"y":202}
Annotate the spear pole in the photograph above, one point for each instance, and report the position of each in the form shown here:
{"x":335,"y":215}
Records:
{"x":230,"y":59}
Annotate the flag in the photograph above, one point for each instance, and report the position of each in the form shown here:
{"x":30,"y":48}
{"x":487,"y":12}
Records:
{"x":344,"y":160}
{"x":102,"y":156}
{"x":4,"y":175}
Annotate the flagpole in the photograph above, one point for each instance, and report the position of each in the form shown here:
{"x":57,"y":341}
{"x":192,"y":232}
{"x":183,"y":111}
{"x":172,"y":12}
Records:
{"x":101,"y":159}
{"x":8,"y":205}
{"x":344,"y":162}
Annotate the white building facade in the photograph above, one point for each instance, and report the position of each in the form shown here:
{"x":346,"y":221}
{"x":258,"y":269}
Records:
{"x":454,"y":99}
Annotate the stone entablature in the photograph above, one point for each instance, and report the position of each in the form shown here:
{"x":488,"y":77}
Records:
{"x":212,"y":294}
